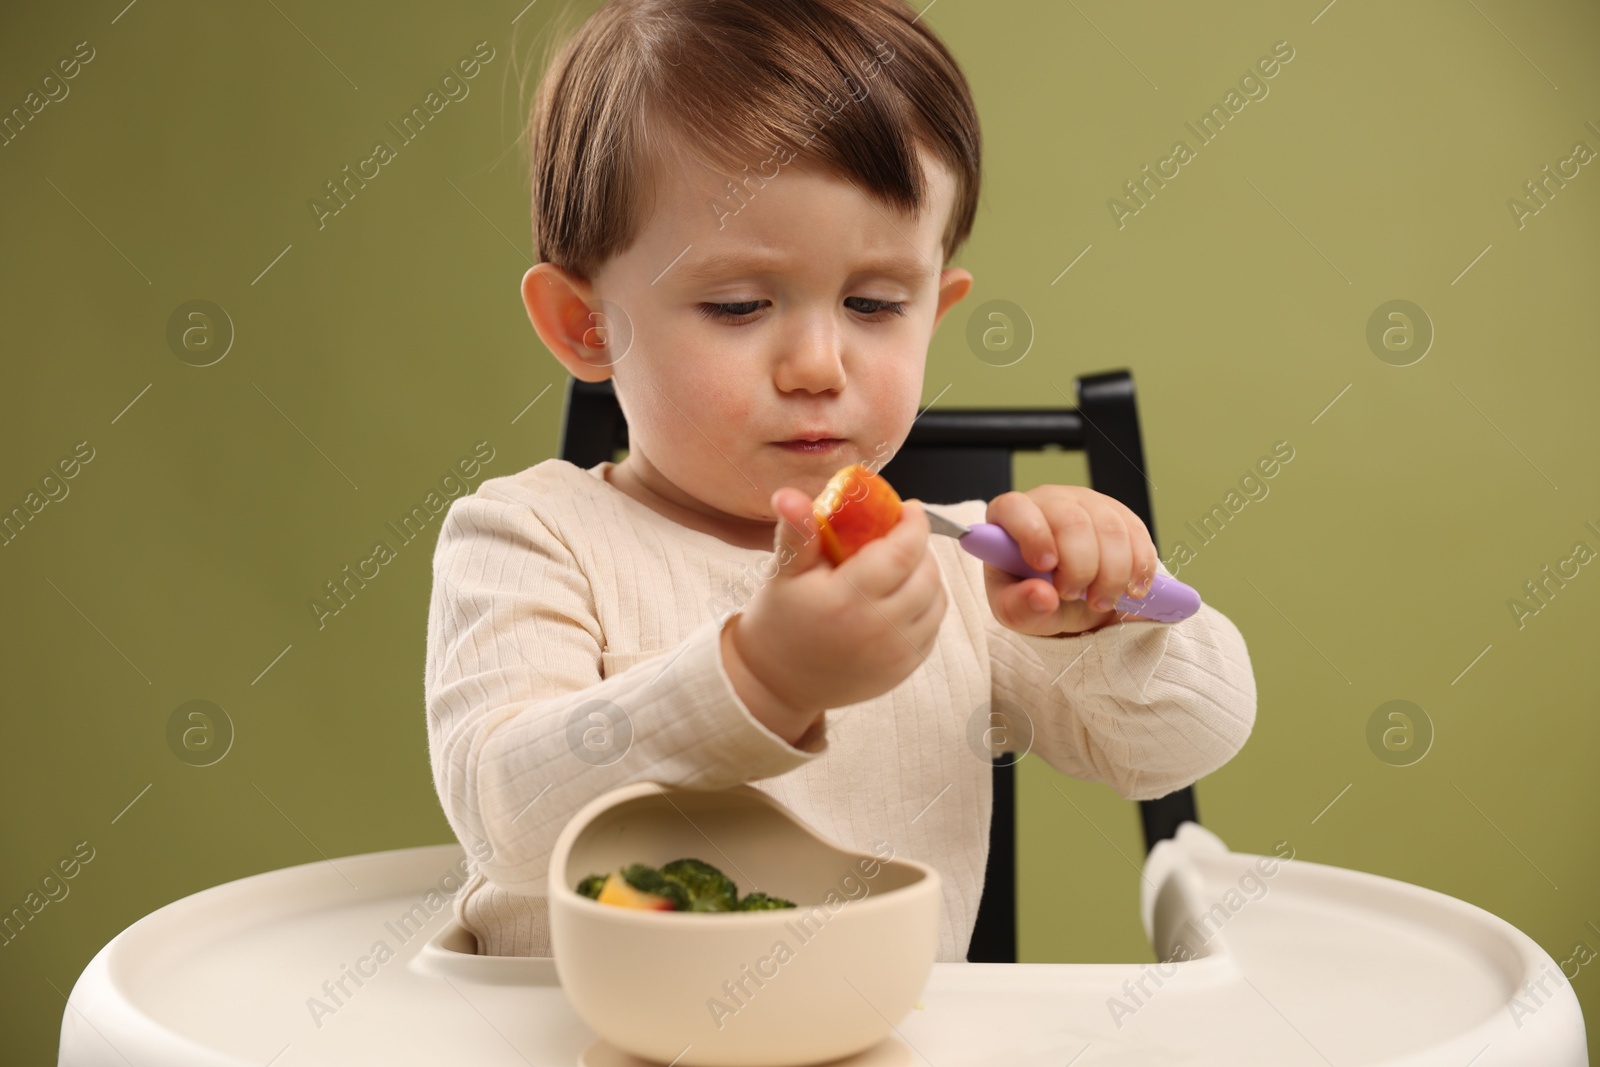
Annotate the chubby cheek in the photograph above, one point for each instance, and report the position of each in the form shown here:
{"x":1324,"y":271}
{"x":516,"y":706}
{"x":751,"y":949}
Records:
{"x":713,"y":462}
{"x":704,"y":381}
{"x":695,"y":422}
{"x":670,"y":373}
{"x":894,"y":388}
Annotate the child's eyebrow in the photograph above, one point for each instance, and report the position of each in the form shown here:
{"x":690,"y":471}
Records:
{"x":720,"y":264}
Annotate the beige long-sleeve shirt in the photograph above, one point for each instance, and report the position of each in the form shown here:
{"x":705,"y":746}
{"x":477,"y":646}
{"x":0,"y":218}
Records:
{"x":553,"y":590}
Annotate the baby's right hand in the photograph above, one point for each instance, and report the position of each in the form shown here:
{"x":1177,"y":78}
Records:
{"x":819,"y":636}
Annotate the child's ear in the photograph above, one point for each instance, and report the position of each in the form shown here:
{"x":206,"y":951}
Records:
{"x":563,"y":310}
{"x":954,"y":283}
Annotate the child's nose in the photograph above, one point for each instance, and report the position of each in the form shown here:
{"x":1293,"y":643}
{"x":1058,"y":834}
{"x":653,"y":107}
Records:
{"x":812,"y":361}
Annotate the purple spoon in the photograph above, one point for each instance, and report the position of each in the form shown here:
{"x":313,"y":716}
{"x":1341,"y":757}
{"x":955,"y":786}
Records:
{"x":1168,"y":600}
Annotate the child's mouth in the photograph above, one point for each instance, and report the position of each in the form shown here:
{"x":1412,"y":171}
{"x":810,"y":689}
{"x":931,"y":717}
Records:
{"x":819,"y":447}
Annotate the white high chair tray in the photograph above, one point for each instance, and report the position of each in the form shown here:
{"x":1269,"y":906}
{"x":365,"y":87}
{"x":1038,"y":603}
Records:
{"x":1311,"y":965}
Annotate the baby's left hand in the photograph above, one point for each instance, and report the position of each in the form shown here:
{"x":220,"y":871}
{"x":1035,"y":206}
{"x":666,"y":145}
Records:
{"x":1096,"y":546}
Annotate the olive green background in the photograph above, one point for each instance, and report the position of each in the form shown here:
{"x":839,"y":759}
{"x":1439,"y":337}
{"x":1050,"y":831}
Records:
{"x":373,"y":353}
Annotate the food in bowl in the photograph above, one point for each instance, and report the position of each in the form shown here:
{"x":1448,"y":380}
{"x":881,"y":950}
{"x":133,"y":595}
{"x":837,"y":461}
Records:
{"x":682,"y":885}
{"x":640,"y":980}
{"x":855,"y":507}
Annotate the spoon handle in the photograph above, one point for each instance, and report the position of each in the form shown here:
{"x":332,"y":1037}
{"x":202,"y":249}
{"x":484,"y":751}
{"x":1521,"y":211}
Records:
{"x":1168,"y":599}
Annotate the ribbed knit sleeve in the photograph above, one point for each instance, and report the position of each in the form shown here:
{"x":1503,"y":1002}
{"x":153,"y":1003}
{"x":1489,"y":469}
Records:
{"x":1145,"y":707}
{"x":523,"y":729}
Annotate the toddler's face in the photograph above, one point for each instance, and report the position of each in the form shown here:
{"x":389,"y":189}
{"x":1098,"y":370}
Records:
{"x":806,"y":310}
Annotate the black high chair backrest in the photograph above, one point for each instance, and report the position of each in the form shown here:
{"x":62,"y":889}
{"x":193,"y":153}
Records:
{"x":951,"y":455}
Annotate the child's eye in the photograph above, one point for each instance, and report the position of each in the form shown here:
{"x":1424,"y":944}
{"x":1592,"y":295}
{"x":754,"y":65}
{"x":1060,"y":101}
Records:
{"x":739,"y":312}
{"x":893,"y":307}
{"x":743,"y":310}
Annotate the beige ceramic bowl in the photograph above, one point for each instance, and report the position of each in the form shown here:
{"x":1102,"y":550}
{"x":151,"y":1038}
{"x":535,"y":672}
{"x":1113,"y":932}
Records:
{"x":824,"y":980}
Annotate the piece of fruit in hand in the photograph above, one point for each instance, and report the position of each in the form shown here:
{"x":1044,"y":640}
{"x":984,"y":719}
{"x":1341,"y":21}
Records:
{"x":855,"y":507}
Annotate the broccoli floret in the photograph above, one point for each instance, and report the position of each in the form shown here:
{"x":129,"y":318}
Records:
{"x":688,"y":885}
{"x":708,"y":888}
{"x":649,"y":880}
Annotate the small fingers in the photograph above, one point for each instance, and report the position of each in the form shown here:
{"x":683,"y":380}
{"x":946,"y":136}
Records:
{"x":1023,"y":604}
{"x":1116,"y":558}
{"x":1021,"y":517}
{"x":930,"y":587}
{"x":881,"y":566}
{"x":1028,"y":603}
{"x":795,"y":542}
{"x":1079,"y":546}
{"x":1143,"y":569}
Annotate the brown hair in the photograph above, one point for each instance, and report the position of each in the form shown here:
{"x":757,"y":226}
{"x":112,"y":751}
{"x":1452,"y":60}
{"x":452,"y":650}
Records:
{"x":851,"y":86}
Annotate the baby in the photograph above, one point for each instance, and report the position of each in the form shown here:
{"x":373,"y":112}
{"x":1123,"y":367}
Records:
{"x":743,"y":210}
